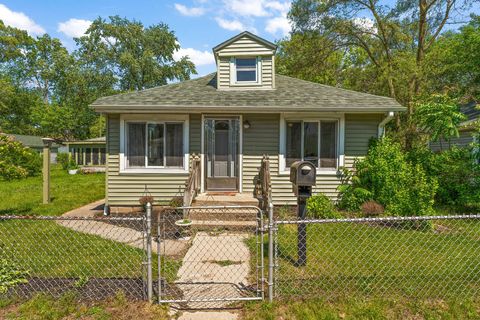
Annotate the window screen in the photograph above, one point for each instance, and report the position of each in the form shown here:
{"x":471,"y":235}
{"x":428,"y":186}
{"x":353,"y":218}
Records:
{"x":174,"y":145}
{"x":246,"y":69}
{"x":155,"y":144}
{"x":135,"y":145}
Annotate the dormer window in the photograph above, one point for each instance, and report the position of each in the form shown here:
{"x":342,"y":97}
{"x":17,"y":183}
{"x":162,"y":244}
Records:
{"x":246,"y":70}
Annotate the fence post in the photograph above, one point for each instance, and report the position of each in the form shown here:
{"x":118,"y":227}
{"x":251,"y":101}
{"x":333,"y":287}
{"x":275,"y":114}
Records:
{"x":149,"y":253}
{"x":271,"y":263}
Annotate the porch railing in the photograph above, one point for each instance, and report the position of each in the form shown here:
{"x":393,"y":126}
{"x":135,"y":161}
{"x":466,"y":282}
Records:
{"x":192,"y":185}
{"x":264,"y":184}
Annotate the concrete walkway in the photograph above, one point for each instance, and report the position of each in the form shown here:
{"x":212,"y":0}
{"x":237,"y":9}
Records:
{"x":215,"y":267}
{"x":107,"y":230}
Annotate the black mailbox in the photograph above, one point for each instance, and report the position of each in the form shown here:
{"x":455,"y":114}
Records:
{"x":303,"y":173}
{"x":302,"y":176}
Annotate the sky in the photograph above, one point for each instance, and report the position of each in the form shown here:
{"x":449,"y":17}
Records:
{"x":198,"y":24}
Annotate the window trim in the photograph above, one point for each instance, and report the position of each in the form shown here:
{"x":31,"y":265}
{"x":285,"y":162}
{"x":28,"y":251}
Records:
{"x":309,"y":117}
{"x":233,"y":72}
{"x":156,"y":119}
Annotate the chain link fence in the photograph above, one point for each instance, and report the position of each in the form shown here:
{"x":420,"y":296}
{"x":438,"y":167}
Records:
{"x":210,"y":256}
{"x":391,"y":257}
{"x":93,"y":257}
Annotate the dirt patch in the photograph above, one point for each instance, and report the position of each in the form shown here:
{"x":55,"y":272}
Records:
{"x":87,"y":290}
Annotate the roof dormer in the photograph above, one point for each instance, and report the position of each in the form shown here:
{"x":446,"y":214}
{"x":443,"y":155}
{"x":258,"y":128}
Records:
{"x":245,"y":62}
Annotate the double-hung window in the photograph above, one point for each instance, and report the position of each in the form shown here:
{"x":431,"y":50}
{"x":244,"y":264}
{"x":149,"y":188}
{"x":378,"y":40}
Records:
{"x":154,"y":145}
{"x":246,"y":70}
{"x":314,"y":141}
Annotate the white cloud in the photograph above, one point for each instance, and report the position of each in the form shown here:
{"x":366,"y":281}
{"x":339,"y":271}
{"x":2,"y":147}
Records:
{"x":246,"y":7}
{"x":191,"y":12}
{"x":199,"y":58}
{"x":74,"y":28}
{"x":19,"y":20}
{"x":278,"y":25}
{"x":283,"y":7}
{"x":232,"y":25}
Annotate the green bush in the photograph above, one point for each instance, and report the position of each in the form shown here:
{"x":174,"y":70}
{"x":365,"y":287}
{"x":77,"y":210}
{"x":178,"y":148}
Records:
{"x":319,"y":206}
{"x":352,"y":194}
{"x":63,"y":159}
{"x":387,"y":176}
{"x":10,"y":275}
{"x":458,"y":174}
{"x":16,"y":160}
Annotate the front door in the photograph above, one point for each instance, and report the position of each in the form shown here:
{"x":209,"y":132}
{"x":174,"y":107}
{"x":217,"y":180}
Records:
{"x":222,"y":141}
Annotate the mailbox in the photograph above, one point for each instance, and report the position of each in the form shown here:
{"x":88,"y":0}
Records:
{"x":303,"y":176}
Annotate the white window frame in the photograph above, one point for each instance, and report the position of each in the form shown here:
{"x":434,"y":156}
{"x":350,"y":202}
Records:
{"x":340,"y":118}
{"x":233,"y":72}
{"x":153,"y":119}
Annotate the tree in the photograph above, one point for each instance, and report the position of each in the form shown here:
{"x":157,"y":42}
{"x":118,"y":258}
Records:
{"x":439,"y":116}
{"x":310,"y":56}
{"x":394,"y":36}
{"x":453,"y":64}
{"x":131,"y":56}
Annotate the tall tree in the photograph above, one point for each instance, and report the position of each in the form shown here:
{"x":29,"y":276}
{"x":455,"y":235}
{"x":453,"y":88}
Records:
{"x":132,"y":56}
{"x":398,"y":35}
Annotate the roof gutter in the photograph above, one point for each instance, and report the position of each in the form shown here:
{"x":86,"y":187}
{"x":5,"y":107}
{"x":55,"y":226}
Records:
{"x":381,"y":125}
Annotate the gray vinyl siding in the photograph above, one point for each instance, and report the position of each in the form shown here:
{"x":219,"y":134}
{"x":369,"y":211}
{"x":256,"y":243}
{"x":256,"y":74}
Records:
{"x":359,"y":129}
{"x":126,"y":189}
{"x":261,"y":138}
{"x":465,"y":138}
{"x":245,"y":46}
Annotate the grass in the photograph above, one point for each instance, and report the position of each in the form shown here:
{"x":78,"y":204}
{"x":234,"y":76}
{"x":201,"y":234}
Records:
{"x":69,"y":307}
{"x":354,"y":308}
{"x":361,"y":260}
{"x":48,"y":249}
{"x":24,"y":197}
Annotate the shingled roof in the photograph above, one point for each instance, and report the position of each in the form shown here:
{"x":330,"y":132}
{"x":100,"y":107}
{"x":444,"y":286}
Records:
{"x":201,"y":95}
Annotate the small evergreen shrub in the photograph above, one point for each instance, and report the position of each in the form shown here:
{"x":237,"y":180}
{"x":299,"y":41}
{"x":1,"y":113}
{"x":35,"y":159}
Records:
{"x":319,"y":206}
{"x":372,"y":209}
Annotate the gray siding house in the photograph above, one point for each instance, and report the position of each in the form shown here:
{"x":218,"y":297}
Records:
{"x":230,"y":119}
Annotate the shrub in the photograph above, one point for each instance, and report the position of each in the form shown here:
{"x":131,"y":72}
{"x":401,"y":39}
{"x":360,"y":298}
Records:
{"x":458,"y":175}
{"x":16,"y":160}
{"x":402,"y":187}
{"x":10,"y":275}
{"x":352,"y":194}
{"x":319,"y":206}
{"x":372,"y":208}
{"x":63,"y":159}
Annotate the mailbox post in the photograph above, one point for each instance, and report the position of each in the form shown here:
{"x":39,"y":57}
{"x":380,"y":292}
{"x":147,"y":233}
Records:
{"x":47,"y":144}
{"x":303,"y":178}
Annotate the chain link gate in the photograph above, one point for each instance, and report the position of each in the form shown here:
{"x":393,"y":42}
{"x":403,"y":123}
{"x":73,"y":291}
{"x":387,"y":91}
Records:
{"x":209,"y":256}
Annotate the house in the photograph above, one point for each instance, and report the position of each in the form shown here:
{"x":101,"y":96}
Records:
{"x":35,"y":143}
{"x":230,"y":119}
{"x":466,"y":129}
{"x":89,"y":153}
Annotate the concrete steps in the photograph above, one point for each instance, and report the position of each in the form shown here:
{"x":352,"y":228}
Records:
{"x":225,"y":199}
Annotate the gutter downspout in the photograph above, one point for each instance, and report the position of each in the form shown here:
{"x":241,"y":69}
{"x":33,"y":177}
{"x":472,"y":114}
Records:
{"x":381,"y":125}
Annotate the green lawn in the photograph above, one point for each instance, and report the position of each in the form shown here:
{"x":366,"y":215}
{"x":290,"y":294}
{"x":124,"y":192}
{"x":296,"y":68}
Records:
{"x":24,"y":197}
{"x":48,"y":249}
{"x":364,"y":261}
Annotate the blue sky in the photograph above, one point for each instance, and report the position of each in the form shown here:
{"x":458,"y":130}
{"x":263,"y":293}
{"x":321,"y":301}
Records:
{"x":198,"y":24}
